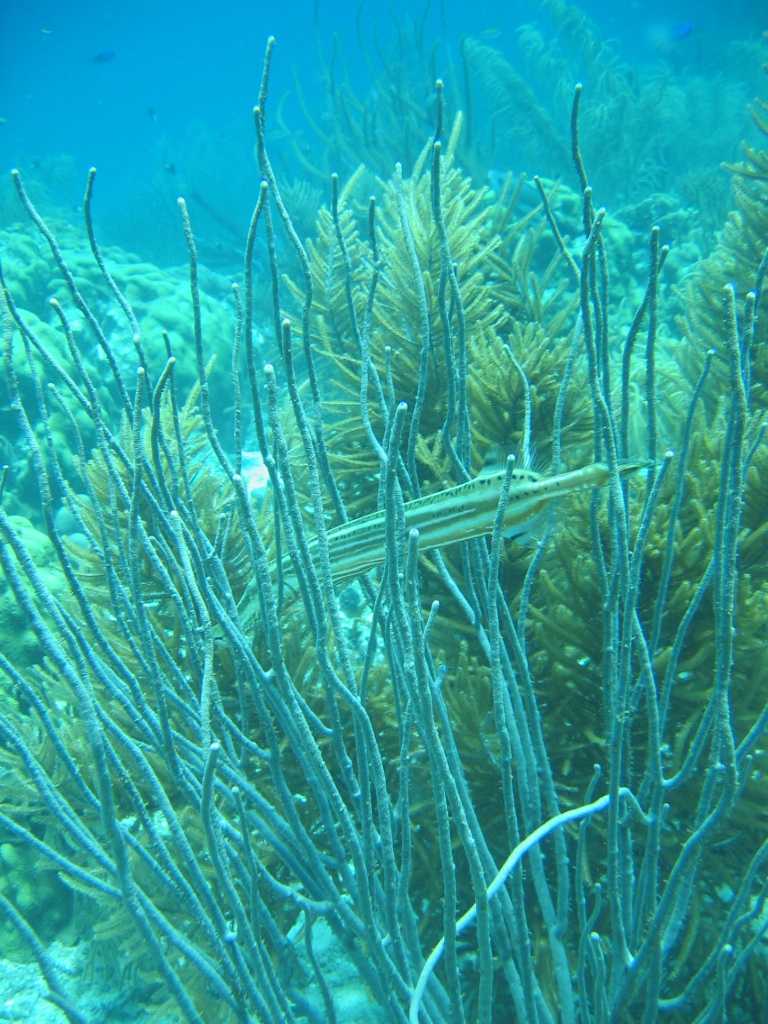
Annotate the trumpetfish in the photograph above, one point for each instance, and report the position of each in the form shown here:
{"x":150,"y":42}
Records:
{"x":460,"y":513}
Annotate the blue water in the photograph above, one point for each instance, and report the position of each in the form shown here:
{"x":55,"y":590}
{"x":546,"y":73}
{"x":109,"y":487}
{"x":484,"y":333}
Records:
{"x":183,"y":77}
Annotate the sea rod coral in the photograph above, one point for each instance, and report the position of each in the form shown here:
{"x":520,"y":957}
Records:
{"x":253,"y":795}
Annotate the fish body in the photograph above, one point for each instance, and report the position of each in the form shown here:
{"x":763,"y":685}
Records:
{"x":460,"y":513}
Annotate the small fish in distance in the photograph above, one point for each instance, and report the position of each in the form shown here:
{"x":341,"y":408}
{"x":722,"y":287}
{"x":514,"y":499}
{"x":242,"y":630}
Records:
{"x":103,"y":57}
{"x":681,"y":31}
{"x":666,"y":39}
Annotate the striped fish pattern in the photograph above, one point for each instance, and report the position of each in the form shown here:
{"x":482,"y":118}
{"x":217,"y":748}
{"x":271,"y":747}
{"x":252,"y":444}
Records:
{"x":460,"y":513}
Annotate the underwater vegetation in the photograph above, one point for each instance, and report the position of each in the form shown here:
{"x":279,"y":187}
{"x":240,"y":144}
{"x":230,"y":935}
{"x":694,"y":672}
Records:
{"x":500,"y":778}
{"x":670,"y":125}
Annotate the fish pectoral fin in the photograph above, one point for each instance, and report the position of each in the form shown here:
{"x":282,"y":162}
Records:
{"x":530,"y":532}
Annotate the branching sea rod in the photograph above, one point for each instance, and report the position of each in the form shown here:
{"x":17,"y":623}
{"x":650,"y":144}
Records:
{"x":275,"y":811}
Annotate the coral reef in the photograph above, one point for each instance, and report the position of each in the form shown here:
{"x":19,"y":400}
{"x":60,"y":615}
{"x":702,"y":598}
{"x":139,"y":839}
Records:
{"x":249,"y":784}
